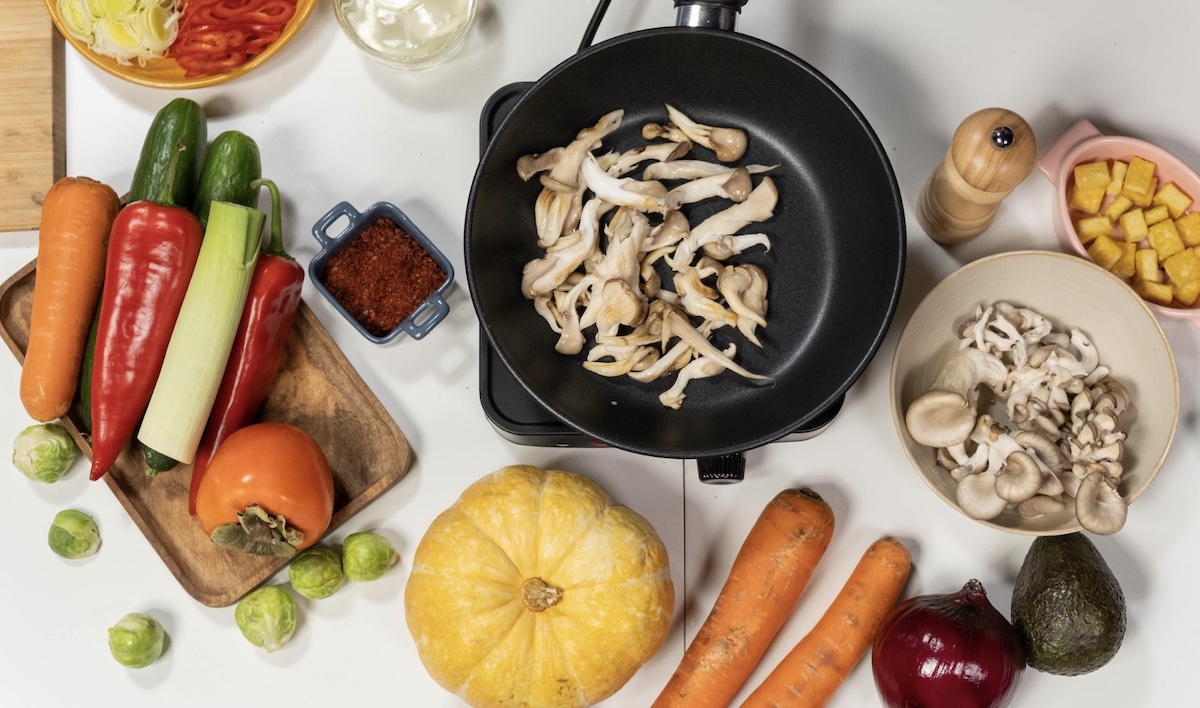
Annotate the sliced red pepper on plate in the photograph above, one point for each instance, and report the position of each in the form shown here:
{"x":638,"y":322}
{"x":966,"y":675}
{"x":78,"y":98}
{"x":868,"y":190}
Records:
{"x":215,"y":36}
{"x":258,"y":347}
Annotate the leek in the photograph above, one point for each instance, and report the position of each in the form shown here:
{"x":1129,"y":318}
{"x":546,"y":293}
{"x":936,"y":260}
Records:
{"x":204,"y":332}
{"x":126,"y":30}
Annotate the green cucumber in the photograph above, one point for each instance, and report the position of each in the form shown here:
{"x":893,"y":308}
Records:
{"x":85,"y":374}
{"x":172,"y":154}
{"x":231,"y":164}
{"x":156,"y":461}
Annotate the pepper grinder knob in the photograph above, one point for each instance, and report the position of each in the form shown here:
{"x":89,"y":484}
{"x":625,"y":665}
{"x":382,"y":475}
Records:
{"x":993,"y":151}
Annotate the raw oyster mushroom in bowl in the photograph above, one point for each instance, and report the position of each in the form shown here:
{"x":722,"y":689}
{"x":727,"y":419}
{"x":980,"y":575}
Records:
{"x":1035,"y":393}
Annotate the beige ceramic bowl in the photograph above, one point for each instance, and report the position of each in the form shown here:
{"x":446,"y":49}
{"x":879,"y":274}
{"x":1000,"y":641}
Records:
{"x":1072,"y":292}
{"x":1083,"y":143}
{"x":165,"y":73}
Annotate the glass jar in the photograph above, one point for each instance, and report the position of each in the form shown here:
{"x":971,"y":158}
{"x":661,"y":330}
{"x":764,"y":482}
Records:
{"x":407,"y":34}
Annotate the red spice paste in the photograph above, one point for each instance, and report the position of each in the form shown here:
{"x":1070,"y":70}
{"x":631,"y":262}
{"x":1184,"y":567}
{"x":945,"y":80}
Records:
{"x":382,"y":276}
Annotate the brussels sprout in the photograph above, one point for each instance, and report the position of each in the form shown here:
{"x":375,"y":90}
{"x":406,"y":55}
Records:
{"x":136,"y":640}
{"x":367,"y":556}
{"x":44,"y":452}
{"x":316,"y":573}
{"x":267,"y":617}
{"x":73,"y":534}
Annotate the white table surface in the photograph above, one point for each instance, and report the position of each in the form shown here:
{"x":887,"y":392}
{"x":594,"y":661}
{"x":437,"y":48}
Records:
{"x":334,"y":126}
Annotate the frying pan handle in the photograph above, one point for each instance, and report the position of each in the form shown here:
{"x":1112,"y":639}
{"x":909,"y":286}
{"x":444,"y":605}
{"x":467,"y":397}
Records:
{"x":723,"y":469}
{"x":710,"y":14}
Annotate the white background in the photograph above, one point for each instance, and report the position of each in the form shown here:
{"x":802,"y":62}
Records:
{"x":333,"y":126}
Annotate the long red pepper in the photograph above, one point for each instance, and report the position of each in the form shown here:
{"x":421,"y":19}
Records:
{"x":152,"y":251}
{"x":258,"y":347}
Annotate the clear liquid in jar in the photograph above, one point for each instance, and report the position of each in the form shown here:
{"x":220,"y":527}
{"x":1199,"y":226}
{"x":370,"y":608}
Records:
{"x":410,"y":33}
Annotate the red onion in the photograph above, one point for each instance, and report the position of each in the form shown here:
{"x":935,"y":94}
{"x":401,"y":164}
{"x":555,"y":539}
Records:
{"x":955,"y":650}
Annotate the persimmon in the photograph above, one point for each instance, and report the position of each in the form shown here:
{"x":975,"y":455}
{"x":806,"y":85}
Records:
{"x":268,"y":490}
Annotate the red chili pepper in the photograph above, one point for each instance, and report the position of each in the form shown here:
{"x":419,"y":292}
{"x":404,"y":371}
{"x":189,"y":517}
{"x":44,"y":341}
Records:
{"x":216,"y":35}
{"x":258,"y":347}
{"x":152,"y":251}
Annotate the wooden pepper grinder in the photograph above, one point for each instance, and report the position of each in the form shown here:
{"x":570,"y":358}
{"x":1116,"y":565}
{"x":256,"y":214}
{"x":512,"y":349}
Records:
{"x":993,"y":150}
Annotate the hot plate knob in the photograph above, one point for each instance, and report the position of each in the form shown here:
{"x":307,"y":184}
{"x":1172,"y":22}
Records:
{"x":722,"y":469}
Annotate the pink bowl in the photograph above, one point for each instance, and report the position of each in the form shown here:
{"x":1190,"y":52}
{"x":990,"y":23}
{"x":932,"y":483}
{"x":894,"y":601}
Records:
{"x":1084,"y":143}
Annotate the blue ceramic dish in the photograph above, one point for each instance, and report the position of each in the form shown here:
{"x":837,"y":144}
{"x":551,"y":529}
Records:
{"x":428,"y":314}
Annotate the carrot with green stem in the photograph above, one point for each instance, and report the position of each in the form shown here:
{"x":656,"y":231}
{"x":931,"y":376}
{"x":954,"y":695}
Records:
{"x":769,"y":573}
{"x":814,"y":669}
{"x":77,"y":215}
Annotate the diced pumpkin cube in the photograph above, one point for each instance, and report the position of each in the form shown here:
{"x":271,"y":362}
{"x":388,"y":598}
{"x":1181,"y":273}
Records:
{"x":1093,"y":226}
{"x":1124,"y":266}
{"x":1165,"y":239}
{"x":1139,"y":178}
{"x":1118,"y":178}
{"x":1089,"y":175}
{"x":1117,"y":207}
{"x":1173,"y":199}
{"x":1188,"y":227}
{"x":1091,"y":181}
{"x":1187,"y":293}
{"x":1133,"y":225}
{"x":1183,"y":267}
{"x":1104,"y":251}
{"x":1143,"y":200}
{"x":1158,"y":293}
{"x":1146,"y":264}
{"x":1157,"y":214}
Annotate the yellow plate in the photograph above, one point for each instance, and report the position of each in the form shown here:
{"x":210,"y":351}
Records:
{"x":166,"y":73}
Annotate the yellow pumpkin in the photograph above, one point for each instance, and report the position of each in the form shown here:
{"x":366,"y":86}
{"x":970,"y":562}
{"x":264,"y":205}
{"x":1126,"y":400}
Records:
{"x":536,"y":589}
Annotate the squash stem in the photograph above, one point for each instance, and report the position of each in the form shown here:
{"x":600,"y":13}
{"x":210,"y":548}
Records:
{"x":538,"y":595}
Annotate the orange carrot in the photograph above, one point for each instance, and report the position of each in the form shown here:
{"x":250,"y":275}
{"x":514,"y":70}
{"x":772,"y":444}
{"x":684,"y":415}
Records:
{"x":770,"y":571}
{"x":808,"y":676}
{"x":72,"y":242}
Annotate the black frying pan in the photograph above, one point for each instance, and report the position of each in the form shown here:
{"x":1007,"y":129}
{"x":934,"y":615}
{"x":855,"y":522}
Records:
{"x":838,"y":237}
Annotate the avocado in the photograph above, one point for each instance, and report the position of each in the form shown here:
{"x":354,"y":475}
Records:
{"x":1067,"y":607}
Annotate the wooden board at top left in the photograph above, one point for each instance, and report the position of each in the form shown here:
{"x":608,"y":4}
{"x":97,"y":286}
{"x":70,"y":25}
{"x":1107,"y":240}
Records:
{"x":32,"y":112}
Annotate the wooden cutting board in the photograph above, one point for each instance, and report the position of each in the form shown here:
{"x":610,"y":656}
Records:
{"x":316,"y":389}
{"x":32,"y":112}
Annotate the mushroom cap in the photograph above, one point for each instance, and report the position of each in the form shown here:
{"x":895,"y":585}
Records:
{"x":967,"y":369}
{"x":1040,"y":505}
{"x":728,"y":143}
{"x":1019,"y":478}
{"x":940,"y":418}
{"x":1099,"y":506}
{"x":738,"y":186}
{"x":1044,"y":447}
{"x":976,"y":496}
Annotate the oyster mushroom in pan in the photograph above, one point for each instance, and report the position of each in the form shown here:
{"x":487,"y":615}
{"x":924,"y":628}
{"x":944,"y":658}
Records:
{"x":696,"y":169}
{"x":626,"y":275}
{"x":564,"y":175}
{"x":729,"y":144}
{"x":629,"y":160}
{"x":758,"y":206}
{"x":1060,"y":446}
{"x":734,"y":186}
